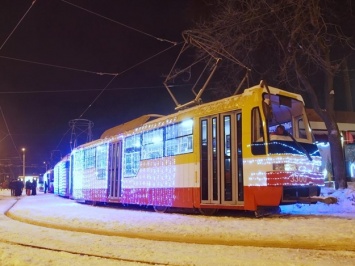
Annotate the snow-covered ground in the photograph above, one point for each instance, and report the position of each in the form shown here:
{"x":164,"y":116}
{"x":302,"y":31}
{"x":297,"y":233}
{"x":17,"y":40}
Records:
{"x":59,"y":231}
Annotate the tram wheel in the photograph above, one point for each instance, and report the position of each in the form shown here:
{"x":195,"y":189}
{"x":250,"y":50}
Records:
{"x":208,"y":211}
{"x":266,"y":211}
{"x":160,"y":209}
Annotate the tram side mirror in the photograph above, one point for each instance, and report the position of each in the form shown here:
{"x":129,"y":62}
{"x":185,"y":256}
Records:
{"x":267,"y":109}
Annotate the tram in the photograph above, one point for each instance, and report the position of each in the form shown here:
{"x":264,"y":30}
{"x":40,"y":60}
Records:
{"x":219,"y":155}
{"x":61,"y":177}
{"x":48,"y":177}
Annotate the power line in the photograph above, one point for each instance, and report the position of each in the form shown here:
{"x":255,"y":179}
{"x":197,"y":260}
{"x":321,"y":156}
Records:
{"x":58,"y":66}
{"x":8,"y":131}
{"x":8,"y":37}
{"x":124,"y":71}
{"x":119,"y":23}
{"x":88,"y":90}
{"x":97,"y":97}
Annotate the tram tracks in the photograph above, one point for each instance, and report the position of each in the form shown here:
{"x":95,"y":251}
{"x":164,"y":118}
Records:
{"x":111,"y":258}
{"x":142,"y":234}
{"x":130,"y":248}
{"x":21,"y":243}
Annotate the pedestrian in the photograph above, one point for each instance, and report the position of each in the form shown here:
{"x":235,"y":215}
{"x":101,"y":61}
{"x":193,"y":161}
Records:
{"x":18,"y":187}
{"x":34,"y":186}
{"x":12,"y":186}
{"x":45,"y":186}
{"x":28,"y":187}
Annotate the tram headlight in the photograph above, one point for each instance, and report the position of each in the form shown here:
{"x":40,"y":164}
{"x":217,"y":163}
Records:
{"x":284,"y":167}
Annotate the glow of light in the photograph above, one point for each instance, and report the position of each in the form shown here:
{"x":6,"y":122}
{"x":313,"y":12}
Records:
{"x":157,"y":140}
{"x":352,"y":169}
{"x":302,"y":168}
{"x":187,"y":123}
{"x":323,"y":144}
{"x":256,"y":169}
{"x":325,"y":173}
{"x":137,"y":144}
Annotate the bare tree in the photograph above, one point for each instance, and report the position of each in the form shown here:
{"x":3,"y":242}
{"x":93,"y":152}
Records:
{"x":299,"y":45}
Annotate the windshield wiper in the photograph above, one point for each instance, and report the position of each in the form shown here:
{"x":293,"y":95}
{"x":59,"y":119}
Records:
{"x":299,"y":145}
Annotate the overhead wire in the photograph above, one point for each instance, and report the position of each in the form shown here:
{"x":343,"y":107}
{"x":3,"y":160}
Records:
{"x":8,"y":37}
{"x":124,"y":71}
{"x":58,"y":66}
{"x":3,"y":44}
{"x":88,"y":90}
{"x":102,"y":91}
{"x":88,"y":71}
{"x":8,"y":132}
{"x":119,"y":23}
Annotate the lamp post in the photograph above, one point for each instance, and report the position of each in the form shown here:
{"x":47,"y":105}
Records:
{"x":45,"y":163}
{"x":23,"y":164}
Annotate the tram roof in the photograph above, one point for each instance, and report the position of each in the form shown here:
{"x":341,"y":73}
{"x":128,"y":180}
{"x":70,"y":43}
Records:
{"x":129,"y":125}
{"x":149,"y":117}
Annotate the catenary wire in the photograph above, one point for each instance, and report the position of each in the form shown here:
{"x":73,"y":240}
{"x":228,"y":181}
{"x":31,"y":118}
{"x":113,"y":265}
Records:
{"x":58,"y":66}
{"x":8,"y":132}
{"x":8,"y":37}
{"x":120,"y":23}
{"x":124,"y":71}
{"x":88,"y":90}
{"x":87,"y":71}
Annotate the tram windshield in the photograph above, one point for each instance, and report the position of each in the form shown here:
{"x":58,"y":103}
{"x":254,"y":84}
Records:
{"x":287,"y":117}
{"x":286,"y":125}
{"x":288,"y":122}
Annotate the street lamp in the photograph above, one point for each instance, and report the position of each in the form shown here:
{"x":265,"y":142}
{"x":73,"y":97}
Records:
{"x":23,"y":164}
{"x":45,"y":163}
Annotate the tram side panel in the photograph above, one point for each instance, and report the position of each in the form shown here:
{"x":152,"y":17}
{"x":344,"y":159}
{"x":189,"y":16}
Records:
{"x":159,"y":166}
{"x":90,"y":173}
{"x":61,"y":177}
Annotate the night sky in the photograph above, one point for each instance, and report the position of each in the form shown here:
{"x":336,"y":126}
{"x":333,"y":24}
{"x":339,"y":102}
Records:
{"x":49,"y":67}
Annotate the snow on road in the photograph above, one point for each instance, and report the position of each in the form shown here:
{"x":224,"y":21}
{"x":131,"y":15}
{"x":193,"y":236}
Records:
{"x":89,"y":235}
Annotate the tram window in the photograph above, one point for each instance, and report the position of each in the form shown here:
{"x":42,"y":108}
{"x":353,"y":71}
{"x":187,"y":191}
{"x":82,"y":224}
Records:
{"x":89,"y":158}
{"x":301,"y":129}
{"x":178,"y":138}
{"x":132,"y":151}
{"x":152,"y":144}
{"x":101,"y":161}
{"x":257,"y":126}
{"x":79,"y":160}
{"x":257,"y":131}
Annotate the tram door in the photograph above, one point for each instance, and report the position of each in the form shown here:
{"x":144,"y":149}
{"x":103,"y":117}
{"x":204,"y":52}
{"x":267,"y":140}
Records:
{"x":221,"y":174}
{"x":114,"y":170}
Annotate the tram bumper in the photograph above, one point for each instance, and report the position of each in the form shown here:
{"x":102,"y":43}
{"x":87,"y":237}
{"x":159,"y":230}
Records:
{"x":309,"y":194}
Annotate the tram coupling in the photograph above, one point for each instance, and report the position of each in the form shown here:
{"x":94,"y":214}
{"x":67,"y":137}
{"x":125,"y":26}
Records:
{"x":315,"y":199}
